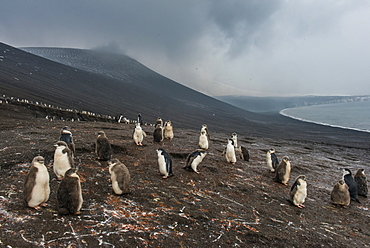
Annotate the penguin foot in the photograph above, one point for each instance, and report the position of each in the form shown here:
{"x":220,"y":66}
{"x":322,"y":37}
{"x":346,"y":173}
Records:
{"x":301,"y":206}
{"x":196,"y":172}
{"x":164,"y":177}
{"x":44,"y":204}
{"x":37,"y":207}
{"x":357,"y":200}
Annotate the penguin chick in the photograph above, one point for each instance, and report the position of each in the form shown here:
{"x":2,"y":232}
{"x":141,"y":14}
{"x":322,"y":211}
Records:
{"x":63,"y":159}
{"x":283,"y":171}
{"x":138,"y":135}
{"x":102,"y":147}
{"x":234,"y":137}
{"x":164,"y":163}
{"x":230,"y":152}
{"x":361,"y":181}
{"x":120,"y":177}
{"x":194,"y":159}
{"x":158,"y":133}
{"x":36,"y":188}
{"x":340,"y":194}
{"x":271,"y":160}
{"x":203,"y":140}
{"x":69,"y":193}
{"x":352,"y":186}
{"x":159,"y":121}
{"x":243,"y":153}
{"x":298,"y":192}
{"x":168,"y":130}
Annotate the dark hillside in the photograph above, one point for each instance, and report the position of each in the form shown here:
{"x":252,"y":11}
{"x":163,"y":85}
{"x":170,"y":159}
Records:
{"x":113,"y":84}
{"x":28,"y":76}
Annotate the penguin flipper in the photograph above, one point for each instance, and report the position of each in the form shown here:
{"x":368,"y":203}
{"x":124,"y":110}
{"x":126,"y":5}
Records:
{"x":29,"y":183}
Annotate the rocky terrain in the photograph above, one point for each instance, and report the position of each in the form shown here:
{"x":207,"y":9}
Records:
{"x":224,"y":206}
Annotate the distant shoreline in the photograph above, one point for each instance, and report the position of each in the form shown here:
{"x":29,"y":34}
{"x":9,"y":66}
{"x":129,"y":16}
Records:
{"x":282,"y":112}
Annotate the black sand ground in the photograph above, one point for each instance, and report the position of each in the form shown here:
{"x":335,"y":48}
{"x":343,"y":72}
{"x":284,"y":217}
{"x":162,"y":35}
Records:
{"x":224,"y":206}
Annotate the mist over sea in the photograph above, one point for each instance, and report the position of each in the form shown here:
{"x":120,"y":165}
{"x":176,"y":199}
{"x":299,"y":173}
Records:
{"x":349,"y":115}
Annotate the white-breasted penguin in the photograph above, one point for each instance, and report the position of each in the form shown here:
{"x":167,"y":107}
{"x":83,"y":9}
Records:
{"x":234,"y":137}
{"x":66,"y":136}
{"x":168,"y":130}
{"x":271,"y":160}
{"x":203,"y":140}
{"x":120,"y":177}
{"x":158,"y":133}
{"x":361,"y":181}
{"x":283,"y":171}
{"x":63,"y":159}
{"x":340,"y":194}
{"x":138,"y":135}
{"x":36,"y":189}
{"x":230,"y":152}
{"x":164,"y":163}
{"x":204,"y":128}
{"x":69,"y":193}
{"x":352,"y":186}
{"x":194,"y":159}
{"x":102,"y":147}
{"x":298,"y":191}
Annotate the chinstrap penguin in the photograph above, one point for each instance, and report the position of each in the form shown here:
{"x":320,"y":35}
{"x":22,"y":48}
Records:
{"x":298,"y":191}
{"x":120,"y":177}
{"x":138,"y":135}
{"x":271,"y":160}
{"x":36,"y":188}
{"x":63,"y":159}
{"x":204,"y":128}
{"x":230,"y":152}
{"x":352,"y":186}
{"x":234,"y":137}
{"x":140,"y":119}
{"x":361,"y":182}
{"x":203,"y":140}
{"x":69,"y":193}
{"x":283,"y":171}
{"x":164,"y":163}
{"x":340,"y":194}
{"x":168,"y":130}
{"x":194,"y":159}
{"x":102,"y":147}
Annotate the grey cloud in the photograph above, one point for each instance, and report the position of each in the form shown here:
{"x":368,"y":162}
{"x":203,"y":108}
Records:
{"x":242,"y":46}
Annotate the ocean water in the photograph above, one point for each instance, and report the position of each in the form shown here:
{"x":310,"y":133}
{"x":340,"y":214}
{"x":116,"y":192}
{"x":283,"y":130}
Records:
{"x":350,"y":115}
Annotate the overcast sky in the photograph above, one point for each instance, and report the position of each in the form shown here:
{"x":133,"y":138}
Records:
{"x":219,"y":47}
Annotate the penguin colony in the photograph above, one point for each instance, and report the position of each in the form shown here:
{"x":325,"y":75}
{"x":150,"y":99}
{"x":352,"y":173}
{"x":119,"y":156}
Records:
{"x":69,"y":193}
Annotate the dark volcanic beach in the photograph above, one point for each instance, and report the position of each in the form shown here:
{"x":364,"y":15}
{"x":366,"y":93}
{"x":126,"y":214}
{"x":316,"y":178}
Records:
{"x":224,"y":206}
